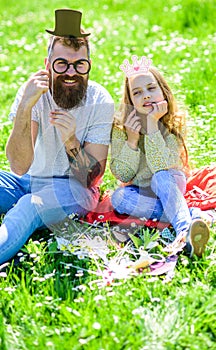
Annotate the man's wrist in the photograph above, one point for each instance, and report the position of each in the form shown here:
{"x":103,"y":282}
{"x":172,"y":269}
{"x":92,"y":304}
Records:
{"x":25,"y":107}
{"x":72,"y":147}
{"x":72,"y":153}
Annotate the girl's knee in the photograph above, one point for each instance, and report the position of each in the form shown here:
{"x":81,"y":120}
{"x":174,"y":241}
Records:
{"x":169,"y":178}
{"x":159,"y":178}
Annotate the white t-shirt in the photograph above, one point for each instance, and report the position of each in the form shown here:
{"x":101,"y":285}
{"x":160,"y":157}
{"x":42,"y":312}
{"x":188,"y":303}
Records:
{"x":93,"y":122}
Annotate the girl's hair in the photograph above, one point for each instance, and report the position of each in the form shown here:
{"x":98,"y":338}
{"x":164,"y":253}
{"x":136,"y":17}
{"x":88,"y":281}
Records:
{"x":172,"y":122}
{"x":75,"y":43}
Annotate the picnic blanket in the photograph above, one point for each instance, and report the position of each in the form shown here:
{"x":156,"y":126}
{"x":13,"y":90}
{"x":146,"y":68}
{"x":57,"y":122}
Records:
{"x":201,"y":188}
{"x":200,"y":193}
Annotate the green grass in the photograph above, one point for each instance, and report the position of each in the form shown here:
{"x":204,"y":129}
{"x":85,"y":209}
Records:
{"x":44,"y":302}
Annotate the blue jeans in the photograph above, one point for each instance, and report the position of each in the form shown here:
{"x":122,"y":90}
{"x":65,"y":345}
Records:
{"x":35,"y":203}
{"x":163,"y":201}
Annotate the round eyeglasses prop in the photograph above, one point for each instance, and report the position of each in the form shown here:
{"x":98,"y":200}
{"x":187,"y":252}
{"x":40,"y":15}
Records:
{"x":61,"y":65}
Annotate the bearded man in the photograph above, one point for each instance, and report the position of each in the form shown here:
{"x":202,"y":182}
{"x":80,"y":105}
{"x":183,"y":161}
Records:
{"x":59,"y":142}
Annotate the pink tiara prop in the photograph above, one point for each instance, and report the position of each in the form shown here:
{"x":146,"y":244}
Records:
{"x":136,"y":67}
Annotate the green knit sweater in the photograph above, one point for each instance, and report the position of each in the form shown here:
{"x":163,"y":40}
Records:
{"x":154,"y":153}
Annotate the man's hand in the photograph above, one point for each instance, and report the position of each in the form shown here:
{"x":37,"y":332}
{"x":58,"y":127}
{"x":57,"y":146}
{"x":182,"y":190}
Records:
{"x":133,"y":127}
{"x":87,"y":163}
{"x":66,"y":124}
{"x":37,"y":85}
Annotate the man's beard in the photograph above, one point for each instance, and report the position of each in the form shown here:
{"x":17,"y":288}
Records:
{"x":68,"y":97}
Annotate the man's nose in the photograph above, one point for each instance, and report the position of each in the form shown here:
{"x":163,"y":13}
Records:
{"x":71,"y":70}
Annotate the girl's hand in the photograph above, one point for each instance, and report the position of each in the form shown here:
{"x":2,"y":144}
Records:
{"x":159,"y":109}
{"x":133,"y":127}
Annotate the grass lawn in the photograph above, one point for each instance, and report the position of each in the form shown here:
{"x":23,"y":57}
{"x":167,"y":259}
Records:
{"x":50,"y":300}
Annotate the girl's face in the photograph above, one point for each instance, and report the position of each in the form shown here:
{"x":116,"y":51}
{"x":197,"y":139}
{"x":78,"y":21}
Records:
{"x":144,"y":90}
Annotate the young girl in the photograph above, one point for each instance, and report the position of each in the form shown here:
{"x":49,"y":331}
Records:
{"x":149,"y":155}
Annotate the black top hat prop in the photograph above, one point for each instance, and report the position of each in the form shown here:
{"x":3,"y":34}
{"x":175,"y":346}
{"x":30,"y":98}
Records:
{"x":67,"y":24}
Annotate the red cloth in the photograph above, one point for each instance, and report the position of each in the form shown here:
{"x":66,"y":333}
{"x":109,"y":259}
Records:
{"x":200,"y":192}
{"x":105,"y":212}
{"x":201,"y":188}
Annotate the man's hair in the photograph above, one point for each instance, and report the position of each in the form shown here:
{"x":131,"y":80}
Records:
{"x":75,"y":43}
